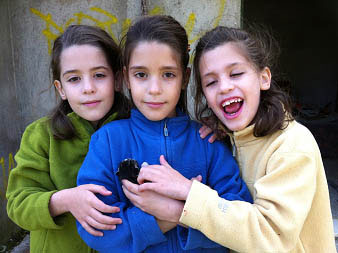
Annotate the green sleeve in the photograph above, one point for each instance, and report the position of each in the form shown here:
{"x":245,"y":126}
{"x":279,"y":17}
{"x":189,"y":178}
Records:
{"x":30,"y":186}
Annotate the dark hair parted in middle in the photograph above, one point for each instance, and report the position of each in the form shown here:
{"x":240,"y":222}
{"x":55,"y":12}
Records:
{"x":162,"y":29}
{"x":61,"y":125}
{"x":261,"y":50}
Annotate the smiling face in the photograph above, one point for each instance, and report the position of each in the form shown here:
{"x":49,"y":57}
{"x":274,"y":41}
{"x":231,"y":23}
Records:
{"x":87,"y":82}
{"x":232,"y":85}
{"x":154,"y":77}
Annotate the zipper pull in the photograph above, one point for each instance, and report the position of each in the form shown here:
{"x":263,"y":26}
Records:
{"x":165,"y":130}
{"x":234,"y":150}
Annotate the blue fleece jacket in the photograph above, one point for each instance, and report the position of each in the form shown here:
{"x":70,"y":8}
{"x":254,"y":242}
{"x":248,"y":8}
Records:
{"x":144,"y":140}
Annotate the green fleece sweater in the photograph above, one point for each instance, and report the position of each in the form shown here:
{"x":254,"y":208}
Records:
{"x":46,"y":165}
{"x":291,"y":210}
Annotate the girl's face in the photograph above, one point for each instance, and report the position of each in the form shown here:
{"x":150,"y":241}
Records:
{"x":232,"y":85}
{"x":87,"y":81}
{"x":154,"y":77}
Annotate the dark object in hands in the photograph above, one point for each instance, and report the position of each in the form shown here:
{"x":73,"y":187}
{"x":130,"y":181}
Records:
{"x":128,"y":169}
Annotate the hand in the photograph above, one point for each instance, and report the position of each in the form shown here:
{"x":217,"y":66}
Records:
{"x":164,"y":180}
{"x":86,"y":207}
{"x":163,"y":208}
{"x":205,"y":131}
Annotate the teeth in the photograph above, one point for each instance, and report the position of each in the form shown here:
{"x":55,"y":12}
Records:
{"x":228,"y":102}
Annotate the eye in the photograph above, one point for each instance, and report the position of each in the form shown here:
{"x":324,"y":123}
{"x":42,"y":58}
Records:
{"x":73,"y":79}
{"x":236,"y":74}
{"x":99,"y":75}
{"x":169,"y":75}
{"x":210,"y":83}
{"x":140,"y":75}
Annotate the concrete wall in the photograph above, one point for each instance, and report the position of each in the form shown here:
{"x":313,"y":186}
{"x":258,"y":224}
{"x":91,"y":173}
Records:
{"x":28,"y":29}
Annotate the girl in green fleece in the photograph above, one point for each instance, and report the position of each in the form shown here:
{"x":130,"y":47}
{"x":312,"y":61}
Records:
{"x":279,"y":158}
{"x":42,"y":193}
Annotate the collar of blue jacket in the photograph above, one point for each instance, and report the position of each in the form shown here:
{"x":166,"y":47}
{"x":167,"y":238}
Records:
{"x":178,"y":123}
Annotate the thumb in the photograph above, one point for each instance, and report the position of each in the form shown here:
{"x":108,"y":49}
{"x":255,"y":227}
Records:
{"x":163,"y":161}
{"x":99,"y":189}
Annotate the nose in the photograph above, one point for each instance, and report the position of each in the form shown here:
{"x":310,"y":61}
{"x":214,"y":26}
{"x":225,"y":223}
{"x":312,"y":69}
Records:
{"x":155,"y":87}
{"x":226,"y":85}
{"x":89,"y":86}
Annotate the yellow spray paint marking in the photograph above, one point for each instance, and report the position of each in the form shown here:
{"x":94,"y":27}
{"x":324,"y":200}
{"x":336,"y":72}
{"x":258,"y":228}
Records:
{"x":6,"y":174}
{"x":156,"y":11}
{"x":78,"y":19}
{"x":112,"y":19}
{"x":216,"y":23}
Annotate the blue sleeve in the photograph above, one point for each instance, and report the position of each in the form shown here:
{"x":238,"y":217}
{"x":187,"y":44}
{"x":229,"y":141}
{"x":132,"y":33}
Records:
{"x":138,"y":229}
{"x":224,"y":177}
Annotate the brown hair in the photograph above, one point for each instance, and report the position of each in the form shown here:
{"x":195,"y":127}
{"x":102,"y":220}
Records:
{"x":261,"y":49}
{"x":162,"y":29}
{"x":61,"y":125}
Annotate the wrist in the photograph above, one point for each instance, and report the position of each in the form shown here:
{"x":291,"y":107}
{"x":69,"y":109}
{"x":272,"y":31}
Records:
{"x":58,"y":203}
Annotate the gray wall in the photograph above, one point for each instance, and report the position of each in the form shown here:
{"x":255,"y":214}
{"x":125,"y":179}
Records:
{"x":28,"y":29}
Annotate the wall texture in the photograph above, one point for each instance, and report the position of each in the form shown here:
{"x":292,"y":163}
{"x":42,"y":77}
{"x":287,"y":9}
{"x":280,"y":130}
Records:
{"x":28,"y":29}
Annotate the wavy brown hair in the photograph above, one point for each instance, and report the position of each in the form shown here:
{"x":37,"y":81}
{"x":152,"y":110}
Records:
{"x":262,"y":50}
{"x":61,"y":125}
{"x":163,"y":29}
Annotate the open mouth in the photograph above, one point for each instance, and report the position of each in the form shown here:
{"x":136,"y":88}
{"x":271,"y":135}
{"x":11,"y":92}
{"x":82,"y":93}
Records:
{"x":232,"y":106}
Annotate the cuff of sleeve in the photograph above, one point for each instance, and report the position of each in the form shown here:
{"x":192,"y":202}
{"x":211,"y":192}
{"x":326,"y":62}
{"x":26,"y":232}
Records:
{"x":48,"y":221}
{"x":191,"y":215}
{"x":194,"y":205}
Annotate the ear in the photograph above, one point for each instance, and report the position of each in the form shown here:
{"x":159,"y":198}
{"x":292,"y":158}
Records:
{"x":186,"y":78}
{"x":59,"y":88}
{"x":125,"y":77}
{"x":265,"y":78}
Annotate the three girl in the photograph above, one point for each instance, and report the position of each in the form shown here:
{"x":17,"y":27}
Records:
{"x":279,"y":158}
{"x":42,"y":193}
{"x":155,"y":68}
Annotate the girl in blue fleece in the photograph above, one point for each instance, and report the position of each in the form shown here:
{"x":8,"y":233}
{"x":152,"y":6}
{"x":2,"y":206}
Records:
{"x":156,"y":56}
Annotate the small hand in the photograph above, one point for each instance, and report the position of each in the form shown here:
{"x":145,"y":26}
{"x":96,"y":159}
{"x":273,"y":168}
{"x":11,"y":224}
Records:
{"x":164,"y":180}
{"x":88,"y":209}
{"x":205,"y":131}
{"x":162,"y":207}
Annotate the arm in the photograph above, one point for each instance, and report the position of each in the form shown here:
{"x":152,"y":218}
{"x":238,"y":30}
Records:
{"x":283,"y":200}
{"x":34,"y":202}
{"x":138,"y":229}
{"x":223,"y":176}
{"x":30,"y":186}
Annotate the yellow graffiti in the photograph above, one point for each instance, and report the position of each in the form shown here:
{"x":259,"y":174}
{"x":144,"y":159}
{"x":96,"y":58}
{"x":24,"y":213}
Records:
{"x":5,"y":173}
{"x":51,"y":26}
{"x":53,"y":30}
{"x":191,"y":22}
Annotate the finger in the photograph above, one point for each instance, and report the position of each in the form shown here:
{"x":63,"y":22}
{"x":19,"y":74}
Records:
{"x":90,"y":230}
{"x":132,"y":197}
{"x":163,"y":161}
{"x":212,"y":138}
{"x":203,"y":131}
{"x":130,"y":186}
{"x":148,"y":187}
{"x":103,"y":207}
{"x":98,"y":189}
{"x":198,"y":178}
{"x":104,"y":219}
{"x":97,"y":225}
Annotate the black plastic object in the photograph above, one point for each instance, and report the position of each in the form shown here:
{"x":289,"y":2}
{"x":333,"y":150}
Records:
{"x":128,"y":169}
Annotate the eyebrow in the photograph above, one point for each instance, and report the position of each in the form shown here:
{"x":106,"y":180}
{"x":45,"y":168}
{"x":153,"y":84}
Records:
{"x":92,"y":69}
{"x":163,"y":67}
{"x":227,"y":66}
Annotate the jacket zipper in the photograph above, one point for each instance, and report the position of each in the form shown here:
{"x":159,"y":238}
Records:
{"x":166,"y":134}
{"x":234,"y":151}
